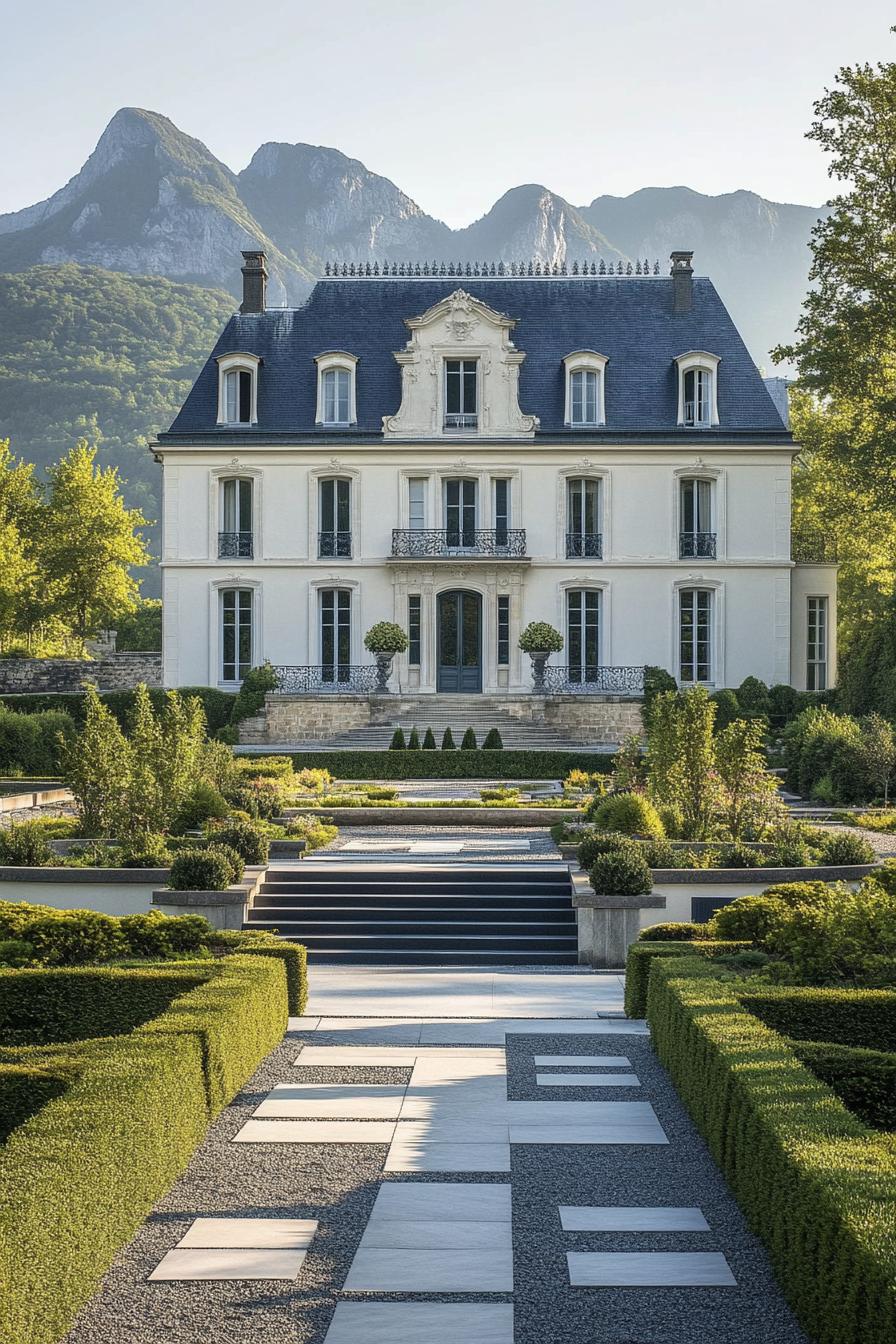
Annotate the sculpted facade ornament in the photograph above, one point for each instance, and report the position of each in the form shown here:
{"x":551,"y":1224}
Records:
{"x":460,"y":326}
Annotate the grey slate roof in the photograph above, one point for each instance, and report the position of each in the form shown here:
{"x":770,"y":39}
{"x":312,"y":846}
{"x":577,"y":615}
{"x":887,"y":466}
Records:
{"x":630,"y":320}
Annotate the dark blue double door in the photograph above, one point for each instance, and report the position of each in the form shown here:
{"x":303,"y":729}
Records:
{"x":460,"y":641}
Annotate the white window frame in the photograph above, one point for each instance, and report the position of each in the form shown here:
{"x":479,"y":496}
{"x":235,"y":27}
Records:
{"x":236,"y":587}
{"x":585,"y":361}
{"x":706,"y":363}
{"x":326,"y":362}
{"x":237,"y":362}
{"x":465,"y":357}
{"x":716,"y":628}
{"x":817,"y":663}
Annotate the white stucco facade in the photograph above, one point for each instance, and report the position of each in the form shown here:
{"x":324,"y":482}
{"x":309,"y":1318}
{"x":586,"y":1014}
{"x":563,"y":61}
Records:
{"x":516,"y":496}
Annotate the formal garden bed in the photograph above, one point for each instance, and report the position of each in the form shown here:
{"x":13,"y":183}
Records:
{"x":116,"y":1051}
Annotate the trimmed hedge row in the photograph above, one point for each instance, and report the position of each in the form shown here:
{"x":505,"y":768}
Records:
{"x":76,"y":1003}
{"x":640,"y":956}
{"x":862,"y":1018}
{"x":452,"y":764}
{"x":295,"y":961}
{"x":24,"y":1089}
{"x":78,"y":1178}
{"x":218,"y":705}
{"x":29,"y":743}
{"x":815,"y":1185}
{"x":864,"y":1080}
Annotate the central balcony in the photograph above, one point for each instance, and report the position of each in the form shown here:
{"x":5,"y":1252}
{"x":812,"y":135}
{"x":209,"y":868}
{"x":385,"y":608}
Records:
{"x":494,"y":543}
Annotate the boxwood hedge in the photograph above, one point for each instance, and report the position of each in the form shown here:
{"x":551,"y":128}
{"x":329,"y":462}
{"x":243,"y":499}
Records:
{"x":452,"y":764}
{"x":857,"y":1017}
{"x":864,"y":1080}
{"x":640,"y":956}
{"x":815,"y":1184}
{"x":78,"y":1177}
{"x":24,"y":1089}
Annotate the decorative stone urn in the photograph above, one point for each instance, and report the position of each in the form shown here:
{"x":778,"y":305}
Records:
{"x":539,"y":662}
{"x":383,"y":672}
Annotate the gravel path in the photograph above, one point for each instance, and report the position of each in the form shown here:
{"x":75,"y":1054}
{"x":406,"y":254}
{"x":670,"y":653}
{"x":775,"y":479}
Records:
{"x":337,"y":1185}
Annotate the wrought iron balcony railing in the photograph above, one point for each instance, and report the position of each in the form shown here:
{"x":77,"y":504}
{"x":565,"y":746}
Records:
{"x":334,"y":545}
{"x":697,"y":545}
{"x":326,"y":678}
{"x":593,"y":680}
{"x":462,"y":420}
{"x":584,"y":545}
{"x":507,"y":542}
{"x":234,"y":545}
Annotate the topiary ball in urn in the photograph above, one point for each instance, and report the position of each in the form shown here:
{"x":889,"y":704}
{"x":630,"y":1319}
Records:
{"x":540,"y":640}
{"x":384,"y":640}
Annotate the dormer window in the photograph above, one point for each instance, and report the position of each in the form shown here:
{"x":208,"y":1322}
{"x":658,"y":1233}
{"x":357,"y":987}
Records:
{"x":238,"y":389}
{"x":336,"y":389}
{"x":461,"y":393}
{"x":697,"y":390}
{"x":584,"y":389}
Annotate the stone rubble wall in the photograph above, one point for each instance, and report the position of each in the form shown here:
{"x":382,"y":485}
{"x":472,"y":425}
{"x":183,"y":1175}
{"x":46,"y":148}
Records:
{"x":115,"y":672}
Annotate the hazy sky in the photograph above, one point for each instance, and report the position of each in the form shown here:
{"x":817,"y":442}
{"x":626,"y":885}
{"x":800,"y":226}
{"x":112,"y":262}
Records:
{"x":455,"y":102}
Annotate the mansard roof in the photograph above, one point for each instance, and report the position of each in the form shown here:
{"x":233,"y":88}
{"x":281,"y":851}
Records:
{"x":630,"y":319}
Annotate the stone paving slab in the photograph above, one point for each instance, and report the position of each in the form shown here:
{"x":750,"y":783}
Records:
{"x":587,"y":1080}
{"x":649,"y":1269}
{"x":431,"y":1271}
{"x":421,"y":1323}
{"x":228,"y":1264}
{"x":251,"y":1233}
{"x":642,"y":1218}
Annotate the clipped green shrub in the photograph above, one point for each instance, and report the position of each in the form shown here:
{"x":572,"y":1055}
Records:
{"x":864,"y":1080}
{"x":540,"y":637}
{"x":448,"y":741}
{"x":468,"y":742}
{"x":157,"y":935}
{"x":622,"y":872}
{"x":381,"y":794}
{"x":507,"y":796}
{"x":30,"y":743}
{"x":753,"y":697}
{"x":149,"y":851}
{"x":630,"y":813}
{"x":642,"y":953}
{"x":657,"y":681}
{"x":295,"y":962}
{"x":683,"y":932}
{"x":493,"y":741}
{"x":740,"y":855}
{"x":662,"y":854}
{"x":727,"y":708}
{"x":398,"y":743}
{"x":862,"y":1018}
{"x":814,"y":1183}
{"x":200,"y":870}
{"x":249,"y":700}
{"x":232,"y":857}
{"x":74,"y":937}
{"x":24,"y":845}
{"x":414,"y":740}
{"x":386,"y":637}
{"x":501,"y":764}
{"x":201,"y":804}
{"x":16,"y":952}
{"x":24,"y":1090}
{"x":429,"y":740}
{"x":751,"y":918}
{"x":595,"y":843}
{"x":249,"y":842}
{"x":844,"y":847}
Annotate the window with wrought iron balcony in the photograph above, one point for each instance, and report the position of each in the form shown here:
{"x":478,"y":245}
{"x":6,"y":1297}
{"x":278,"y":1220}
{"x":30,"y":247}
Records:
{"x":462,"y":394}
{"x":235,"y":540}
{"x":584,"y":540}
{"x":697,"y":538}
{"x":334,"y":540}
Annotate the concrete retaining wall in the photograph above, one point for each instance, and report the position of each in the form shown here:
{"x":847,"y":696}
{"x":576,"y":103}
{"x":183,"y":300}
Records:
{"x":111,"y":891}
{"x":440,"y":816}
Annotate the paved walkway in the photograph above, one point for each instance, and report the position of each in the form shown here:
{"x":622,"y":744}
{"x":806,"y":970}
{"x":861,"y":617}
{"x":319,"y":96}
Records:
{"x":474,"y":843}
{"x":473,"y":1157}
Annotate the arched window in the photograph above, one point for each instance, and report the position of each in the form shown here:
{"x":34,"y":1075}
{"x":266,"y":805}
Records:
{"x":237,"y":633}
{"x":698,"y":389}
{"x":238,"y":389}
{"x":695,"y":634}
{"x":585,"y":370}
{"x":235,"y":540}
{"x":336,"y":389}
{"x":583,"y":518}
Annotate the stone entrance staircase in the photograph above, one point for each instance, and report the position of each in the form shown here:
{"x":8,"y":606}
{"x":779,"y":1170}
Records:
{"x":457,"y":712}
{"x":422,"y":914}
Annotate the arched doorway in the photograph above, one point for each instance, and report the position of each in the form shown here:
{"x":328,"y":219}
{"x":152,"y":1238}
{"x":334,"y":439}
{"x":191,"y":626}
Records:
{"x":460,"y":641}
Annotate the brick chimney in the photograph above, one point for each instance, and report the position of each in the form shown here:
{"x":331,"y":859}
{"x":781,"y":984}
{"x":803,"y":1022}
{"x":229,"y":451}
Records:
{"x":682,"y":282}
{"x":255,"y":283}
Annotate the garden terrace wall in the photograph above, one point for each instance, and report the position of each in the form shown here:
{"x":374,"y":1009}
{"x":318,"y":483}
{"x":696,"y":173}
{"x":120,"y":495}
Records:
{"x":694,"y":893}
{"x":816,"y":1185}
{"x":470,"y":765}
{"x":111,"y":891}
{"x":114,"y":672}
{"x":78,"y":1178}
{"x":439,"y":816}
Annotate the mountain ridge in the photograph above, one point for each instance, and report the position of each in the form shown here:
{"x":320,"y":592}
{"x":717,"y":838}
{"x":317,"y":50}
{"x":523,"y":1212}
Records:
{"x":153,"y":200}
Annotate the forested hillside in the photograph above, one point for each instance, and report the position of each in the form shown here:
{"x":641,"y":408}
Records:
{"x":85,"y":351}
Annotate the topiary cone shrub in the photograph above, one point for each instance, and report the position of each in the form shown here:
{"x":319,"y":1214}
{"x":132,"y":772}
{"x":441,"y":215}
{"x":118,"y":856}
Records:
{"x":448,"y":741}
{"x":414,"y":740}
{"x":493,"y":741}
{"x":429,"y":741}
{"x":622,"y":872}
{"x":469,"y":742}
{"x":398,"y":743}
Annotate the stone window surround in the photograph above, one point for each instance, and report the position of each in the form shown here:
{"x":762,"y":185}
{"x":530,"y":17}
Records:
{"x":235,"y":470}
{"x":334,"y":470}
{"x":586,"y":583}
{"x":719,"y":480}
{"x":336,"y":359}
{"x":215,"y":644}
{"x":581,"y":361}
{"x":315,"y":587}
{"x":698,"y":359}
{"x":586,"y":470}
{"x":243,"y":362}
{"x":434,"y":495}
{"x":716,"y":631}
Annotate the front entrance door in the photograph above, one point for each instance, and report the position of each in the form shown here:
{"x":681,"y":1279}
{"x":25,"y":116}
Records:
{"x":460,"y":641}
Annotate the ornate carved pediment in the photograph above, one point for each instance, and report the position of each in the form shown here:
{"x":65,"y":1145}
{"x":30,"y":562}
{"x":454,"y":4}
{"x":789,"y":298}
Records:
{"x":460,"y":326}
